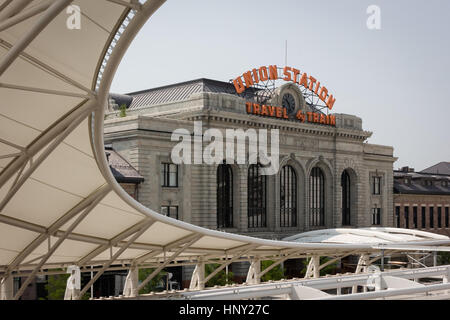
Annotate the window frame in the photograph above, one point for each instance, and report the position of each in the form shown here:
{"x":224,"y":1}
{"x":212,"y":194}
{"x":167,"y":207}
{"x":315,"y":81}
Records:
{"x":317,"y":196}
{"x":165,"y":172}
{"x":169,"y":210}
{"x":288,"y":184}
{"x":256,"y":197}
{"x":376,"y":185}
{"x":224,"y":196}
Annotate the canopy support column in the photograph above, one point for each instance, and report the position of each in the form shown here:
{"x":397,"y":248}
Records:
{"x":363,"y":263}
{"x":198,"y":277}
{"x":7,"y":288}
{"x":254,"y":271}
{"x":131,"y":283}
{"x":73,"y":284}
{"x":313,"y":270}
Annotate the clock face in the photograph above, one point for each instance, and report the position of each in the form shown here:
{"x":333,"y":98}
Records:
{"x":288,"y":102}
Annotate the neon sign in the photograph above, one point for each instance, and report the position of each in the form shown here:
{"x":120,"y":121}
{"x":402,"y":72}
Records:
{"x":250,"y":78}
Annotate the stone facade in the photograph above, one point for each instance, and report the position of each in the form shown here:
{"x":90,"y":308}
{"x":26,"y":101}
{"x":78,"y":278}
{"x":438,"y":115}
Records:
{"x":143,"y":138}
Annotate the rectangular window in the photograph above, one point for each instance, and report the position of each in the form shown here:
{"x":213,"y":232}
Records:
{"x":169,"y":175}
{"x":446,"y":217}
{"x":439,"y":217}
{"x":406,"y":213}
{"x":415,"y":217}
{"x":376,"y":216}
{"x":170,"y":211}
{"x":376,"y":185}
{"x":431,"y":213}
{"x":424,"y":218}
{"x":397,"y":216}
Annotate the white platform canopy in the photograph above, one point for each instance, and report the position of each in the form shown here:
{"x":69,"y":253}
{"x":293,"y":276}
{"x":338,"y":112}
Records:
{"x":59,"y":203}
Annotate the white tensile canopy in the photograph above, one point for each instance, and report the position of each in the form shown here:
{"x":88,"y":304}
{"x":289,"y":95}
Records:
{"x":59,"y":203}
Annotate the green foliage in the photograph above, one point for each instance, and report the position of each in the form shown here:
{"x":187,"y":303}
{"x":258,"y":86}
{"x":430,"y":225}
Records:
{"x":220,"y":279}
{"x":123,"y":111}
{"x":156,"y":284}
{"x":56,"y":286}
{"x":277,"y":273}
{"x":330,"y":269}
{"x":443,"y":258}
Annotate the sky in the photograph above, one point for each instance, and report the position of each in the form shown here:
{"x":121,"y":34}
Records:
{"x":395,"y":78}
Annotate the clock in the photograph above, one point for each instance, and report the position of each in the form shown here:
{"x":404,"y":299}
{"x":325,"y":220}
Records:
{"x":288,"y":102}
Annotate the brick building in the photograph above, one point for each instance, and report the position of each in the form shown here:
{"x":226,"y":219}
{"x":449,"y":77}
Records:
{"x":422,"y":199}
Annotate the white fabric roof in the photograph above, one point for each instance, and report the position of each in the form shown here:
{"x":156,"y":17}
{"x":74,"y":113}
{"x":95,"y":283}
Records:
{"x":368,"y":236}
{"x":59,"y":203}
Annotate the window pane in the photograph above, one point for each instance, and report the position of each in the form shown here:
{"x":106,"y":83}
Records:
{"x":173,"y":179}
{"x":288,"y":197}
{"x":256,"y":197}
{"x":164,"y":210}
{"x":423,"y":217}
{"x":397,"y":216}
{"x":317,"y":197}
{"x":173,"y":212}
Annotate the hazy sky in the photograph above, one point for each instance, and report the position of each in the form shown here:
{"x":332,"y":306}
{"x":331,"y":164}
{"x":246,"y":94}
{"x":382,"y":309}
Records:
{"x":396,"y":79}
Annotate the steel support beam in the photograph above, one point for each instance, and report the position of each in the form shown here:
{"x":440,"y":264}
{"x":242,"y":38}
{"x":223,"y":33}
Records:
{"x":94,"y":198}
{"x":228,"y":262}
{"x":24,"y":15}
{"x":35,"y":30}
{"x":115,"y":241}
{"x":11,"y":8}
{"x":36,"y":163}
{"x":116,"y":255}
{"x":168,"y":260}
{"x":55,"y":135}
{"x":53,"y":248}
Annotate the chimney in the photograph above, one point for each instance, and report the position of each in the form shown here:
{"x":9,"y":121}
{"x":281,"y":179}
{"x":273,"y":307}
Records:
{"x":406,"y":169}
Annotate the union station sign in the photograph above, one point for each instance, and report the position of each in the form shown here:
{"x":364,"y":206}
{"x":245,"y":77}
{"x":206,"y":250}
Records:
{"x":289,"y":74}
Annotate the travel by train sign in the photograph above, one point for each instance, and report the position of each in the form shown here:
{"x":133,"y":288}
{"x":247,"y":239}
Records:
{"x":281,"y":113}
{"x":312,"y":89}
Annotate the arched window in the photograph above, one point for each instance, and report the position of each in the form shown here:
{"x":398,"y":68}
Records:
{"x":317,"y":197}
{"x":256,"y":196}
{"x":288,"y":197}
{"x":345,"y":184}
{"x":224,"y":196}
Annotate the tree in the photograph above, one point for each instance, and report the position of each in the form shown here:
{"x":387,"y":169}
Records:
{"x":220,"y":279}
{"x":443,"y":258}
{"x":56,"y":286}
{"x":123,"y":111}
{"x":277,"y":273}
{"x":157,"y":283}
